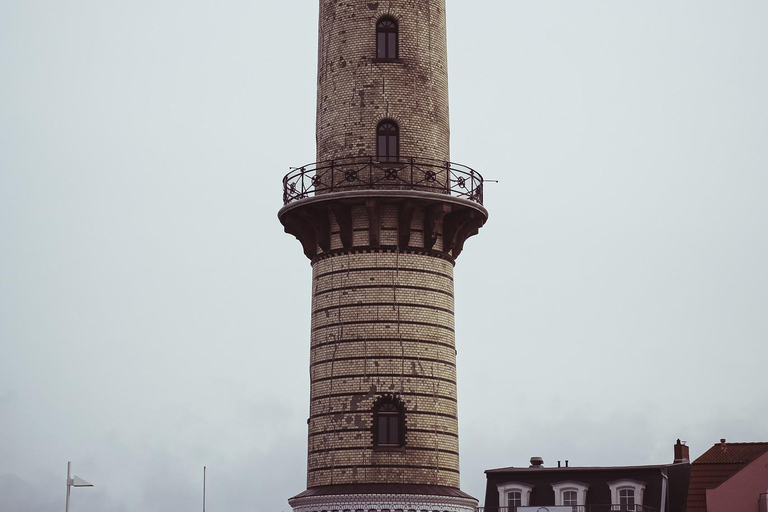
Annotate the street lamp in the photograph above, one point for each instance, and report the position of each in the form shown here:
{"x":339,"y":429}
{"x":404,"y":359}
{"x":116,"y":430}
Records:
{"x":74,"y":481}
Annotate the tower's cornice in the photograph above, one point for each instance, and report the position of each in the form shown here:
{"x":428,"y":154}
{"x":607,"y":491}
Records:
{"x":324,"y":223}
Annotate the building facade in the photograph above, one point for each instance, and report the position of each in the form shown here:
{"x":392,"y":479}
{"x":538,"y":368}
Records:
{"x":382,"y":216}
{"x":654,"y":488}
{"x":730,"y":477}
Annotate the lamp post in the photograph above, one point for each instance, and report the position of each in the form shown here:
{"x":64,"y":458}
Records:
{"x":73,"y":481}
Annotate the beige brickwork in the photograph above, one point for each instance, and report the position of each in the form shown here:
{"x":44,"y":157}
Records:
{"x":355,"y":92}
{"x":382,"y":323}
{"x":382,"y":238}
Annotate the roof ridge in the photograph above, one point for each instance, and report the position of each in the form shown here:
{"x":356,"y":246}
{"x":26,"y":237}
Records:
{"x":747,"y":442}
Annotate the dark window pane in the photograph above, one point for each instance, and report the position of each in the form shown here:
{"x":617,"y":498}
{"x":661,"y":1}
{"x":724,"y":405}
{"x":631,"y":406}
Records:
{"x":382,"y":430}
{"x":392,"y":431}
{"x":382,"y":149}
{"x":392,"y":149}
{"x":381,"y":46}
{"x":392,"y":46}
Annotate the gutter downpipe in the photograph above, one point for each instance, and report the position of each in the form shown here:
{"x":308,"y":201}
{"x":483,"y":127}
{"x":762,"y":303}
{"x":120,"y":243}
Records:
{"x":664,"y":482}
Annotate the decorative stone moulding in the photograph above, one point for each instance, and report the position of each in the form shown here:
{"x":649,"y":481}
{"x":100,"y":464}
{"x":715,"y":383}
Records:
{"x":383,"y":503}
{"x":321,"y":221}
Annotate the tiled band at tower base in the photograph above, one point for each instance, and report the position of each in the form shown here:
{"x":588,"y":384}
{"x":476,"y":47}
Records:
{"x":382,"y":216}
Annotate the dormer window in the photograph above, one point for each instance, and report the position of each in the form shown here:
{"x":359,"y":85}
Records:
{"x":627,"y":495}
{"x":570,"y":493}
{"x":627,"y":499}
{"x":387,"y":39}
{"x":513,"y":495}
{"x":514,"y":500}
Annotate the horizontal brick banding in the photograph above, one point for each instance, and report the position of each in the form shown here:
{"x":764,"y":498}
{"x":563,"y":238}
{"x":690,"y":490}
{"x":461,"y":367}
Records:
{"x":399,"y":375}
{"x":365,"y":248}
{"x":411,"y":414}
{"x":368,"y":430}
{"x":365,"y":447}
{"x":383,"y":287}
{"x":362,"y":419}
{"x":379,"y":358}
{"x":394,"y":306}
{"x":373,"y":340}
{"x":377,"y":466}
{"x":382,"y":322}
{"x":319,"y":275}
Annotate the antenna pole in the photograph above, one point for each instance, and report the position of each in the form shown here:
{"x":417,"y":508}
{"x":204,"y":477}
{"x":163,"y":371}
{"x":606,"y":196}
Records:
{"x":203,"y":488}
{"x":69,"y":467}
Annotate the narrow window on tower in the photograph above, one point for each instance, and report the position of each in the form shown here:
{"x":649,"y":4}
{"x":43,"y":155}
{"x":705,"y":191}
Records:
{"x":386,"y":39}
{"x":388,"y":142}
{"x":388,"y":423}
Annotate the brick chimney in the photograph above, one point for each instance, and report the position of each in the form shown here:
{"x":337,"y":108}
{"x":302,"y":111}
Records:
{"x":681,"y":453}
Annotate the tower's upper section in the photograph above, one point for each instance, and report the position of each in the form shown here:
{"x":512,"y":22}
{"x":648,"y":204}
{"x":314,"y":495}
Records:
{"x":382,"y":80}
{"x":383,"y":138}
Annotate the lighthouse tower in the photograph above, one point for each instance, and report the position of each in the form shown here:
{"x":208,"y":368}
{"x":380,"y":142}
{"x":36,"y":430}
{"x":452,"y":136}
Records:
{"x":382,"y":216}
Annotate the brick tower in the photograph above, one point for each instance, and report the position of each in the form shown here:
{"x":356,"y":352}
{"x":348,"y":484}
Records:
{"x":382,"y":216}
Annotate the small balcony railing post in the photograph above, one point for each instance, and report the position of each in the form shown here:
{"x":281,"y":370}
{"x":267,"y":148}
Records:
{"x":333,"y":176}
{"x":371,"y":180}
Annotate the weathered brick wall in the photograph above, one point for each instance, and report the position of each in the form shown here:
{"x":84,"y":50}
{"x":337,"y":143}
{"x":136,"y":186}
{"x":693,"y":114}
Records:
{"x":355,"y":92}
{"x":382,"y":323}
{"x":382,"y":297}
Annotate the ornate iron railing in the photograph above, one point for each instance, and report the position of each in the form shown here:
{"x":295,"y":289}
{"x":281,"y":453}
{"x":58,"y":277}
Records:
{"x":369,"y":173}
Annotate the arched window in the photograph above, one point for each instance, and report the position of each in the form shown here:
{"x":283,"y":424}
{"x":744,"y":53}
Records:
{"x":627,"y":495}
{"x":513,"y":495}
{"x":388,"y":423}
{"x":388,"y":142}
{"x":386,"y":39}
{"x":570,"y":493}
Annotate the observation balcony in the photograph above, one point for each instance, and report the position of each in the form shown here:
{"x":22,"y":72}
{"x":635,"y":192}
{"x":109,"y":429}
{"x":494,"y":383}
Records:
{"x":370,"y":173}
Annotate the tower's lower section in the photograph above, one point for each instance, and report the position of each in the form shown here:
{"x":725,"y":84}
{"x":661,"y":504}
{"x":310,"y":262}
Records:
{"x":382,"y":326}
{"x":383,"y":498}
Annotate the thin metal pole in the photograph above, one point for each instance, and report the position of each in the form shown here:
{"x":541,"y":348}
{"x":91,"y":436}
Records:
{"x":203,"y":488}
{"x":69,"y":467}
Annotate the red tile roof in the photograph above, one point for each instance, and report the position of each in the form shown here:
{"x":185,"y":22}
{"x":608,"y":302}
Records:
{"x":717,"y":465}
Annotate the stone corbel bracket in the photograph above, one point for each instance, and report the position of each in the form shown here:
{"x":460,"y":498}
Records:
{"x":438,"y":216}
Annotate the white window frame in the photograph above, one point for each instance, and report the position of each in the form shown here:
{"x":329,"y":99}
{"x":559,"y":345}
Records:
{"x":570,"y":485}
{"x":523,"y":489}
{"x":618,"y":485}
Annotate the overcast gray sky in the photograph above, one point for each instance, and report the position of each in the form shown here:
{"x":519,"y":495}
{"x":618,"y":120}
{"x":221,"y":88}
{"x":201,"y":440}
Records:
{"x":154,"y":318}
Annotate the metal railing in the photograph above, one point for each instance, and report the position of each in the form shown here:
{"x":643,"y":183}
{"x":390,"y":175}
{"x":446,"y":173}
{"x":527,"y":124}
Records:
{"x":575,"y":508}
{"x":369,"y":173}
